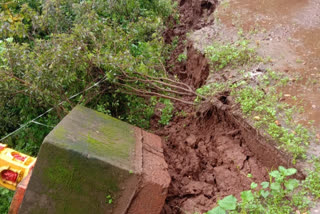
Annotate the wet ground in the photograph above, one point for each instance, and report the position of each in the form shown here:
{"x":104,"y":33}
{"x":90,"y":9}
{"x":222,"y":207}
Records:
{"x":289,"y":32}
{"x":211,"y":149}
{"x":208,"y":159}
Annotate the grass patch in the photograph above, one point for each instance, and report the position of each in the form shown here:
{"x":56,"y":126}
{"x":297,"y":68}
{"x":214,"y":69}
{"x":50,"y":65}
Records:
{"x":312,"y":182}
{"x":231,"y":54}
{"x":274,"y":117}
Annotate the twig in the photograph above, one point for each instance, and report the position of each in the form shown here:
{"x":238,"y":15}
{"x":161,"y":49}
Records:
{"x":140,"y":92}
{"x":155,"y":80}
{"x":159,"y":88}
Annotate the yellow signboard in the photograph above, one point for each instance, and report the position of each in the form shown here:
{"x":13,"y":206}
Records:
{"x":14,"y":166}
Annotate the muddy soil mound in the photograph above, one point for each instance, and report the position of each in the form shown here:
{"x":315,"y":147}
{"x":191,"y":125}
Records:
{"x":210,"y":151}
{"x":208,"y":159}
{"x":194,"y":14}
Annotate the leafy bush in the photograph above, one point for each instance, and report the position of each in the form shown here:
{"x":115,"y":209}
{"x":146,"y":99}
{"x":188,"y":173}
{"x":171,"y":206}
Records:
{"x":5,"y":200}
{"x":51,"y":50}
{"x":65,"y":47}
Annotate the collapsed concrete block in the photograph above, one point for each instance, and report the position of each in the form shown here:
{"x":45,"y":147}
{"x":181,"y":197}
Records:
{"x":93,"y":163}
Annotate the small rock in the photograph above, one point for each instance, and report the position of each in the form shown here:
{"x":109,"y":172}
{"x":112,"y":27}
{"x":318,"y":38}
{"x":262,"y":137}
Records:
{"x":314,"y":106}
{"x":197,"y":187}
{"x":256,"y":118}
{"x":293,"y":79}
{"x":191,"y":140}
{"x":234,"y":132}
{"x":287,"y":95}
{"x":202,"y":148}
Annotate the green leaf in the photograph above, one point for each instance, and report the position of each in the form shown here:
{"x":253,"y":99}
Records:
{"x":253,"y":185}
{"x":247,"y":195}
{"x":287,"y":172}
{"x":228,"y":203}
{"x":291,"y":184}
{"x":290,"y":171}
{"x":275,"y":186}
{"x":275,"y":174}
{"x":282,"y":169}
{"x":265,"y":184}
{"x":217,"y":210}
{"x":9,"y":39}
{"x":264,"y":193}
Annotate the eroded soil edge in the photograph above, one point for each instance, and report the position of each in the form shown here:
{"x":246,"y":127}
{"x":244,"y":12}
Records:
{"x":209,"y":150}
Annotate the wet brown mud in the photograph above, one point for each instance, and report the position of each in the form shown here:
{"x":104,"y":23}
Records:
{"x":211,"y":149}
{"x":208,"y":160}
{"x":194,"y":14}
{"x":210,"y":152}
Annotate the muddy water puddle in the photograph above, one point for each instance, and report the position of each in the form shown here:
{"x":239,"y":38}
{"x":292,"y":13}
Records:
{"x":289,"y":32}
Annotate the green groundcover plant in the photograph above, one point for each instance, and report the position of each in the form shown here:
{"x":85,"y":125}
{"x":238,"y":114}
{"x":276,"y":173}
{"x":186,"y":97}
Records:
{"x":281,"y":194}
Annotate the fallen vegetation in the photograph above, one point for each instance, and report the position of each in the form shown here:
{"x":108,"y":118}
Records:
{"x":52,"y":50}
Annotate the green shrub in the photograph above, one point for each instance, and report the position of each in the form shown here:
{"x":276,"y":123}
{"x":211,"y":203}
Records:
{"x":71,"y":46}
{"x":166,"y":112}
{"x":5,"y":200}
{"x":51,"y":50}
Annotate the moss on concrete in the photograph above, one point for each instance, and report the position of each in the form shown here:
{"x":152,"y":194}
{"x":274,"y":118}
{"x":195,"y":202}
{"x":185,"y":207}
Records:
{"x":79,"y":165}
{"x":60,"y":132}
{"x":96,"y":134}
